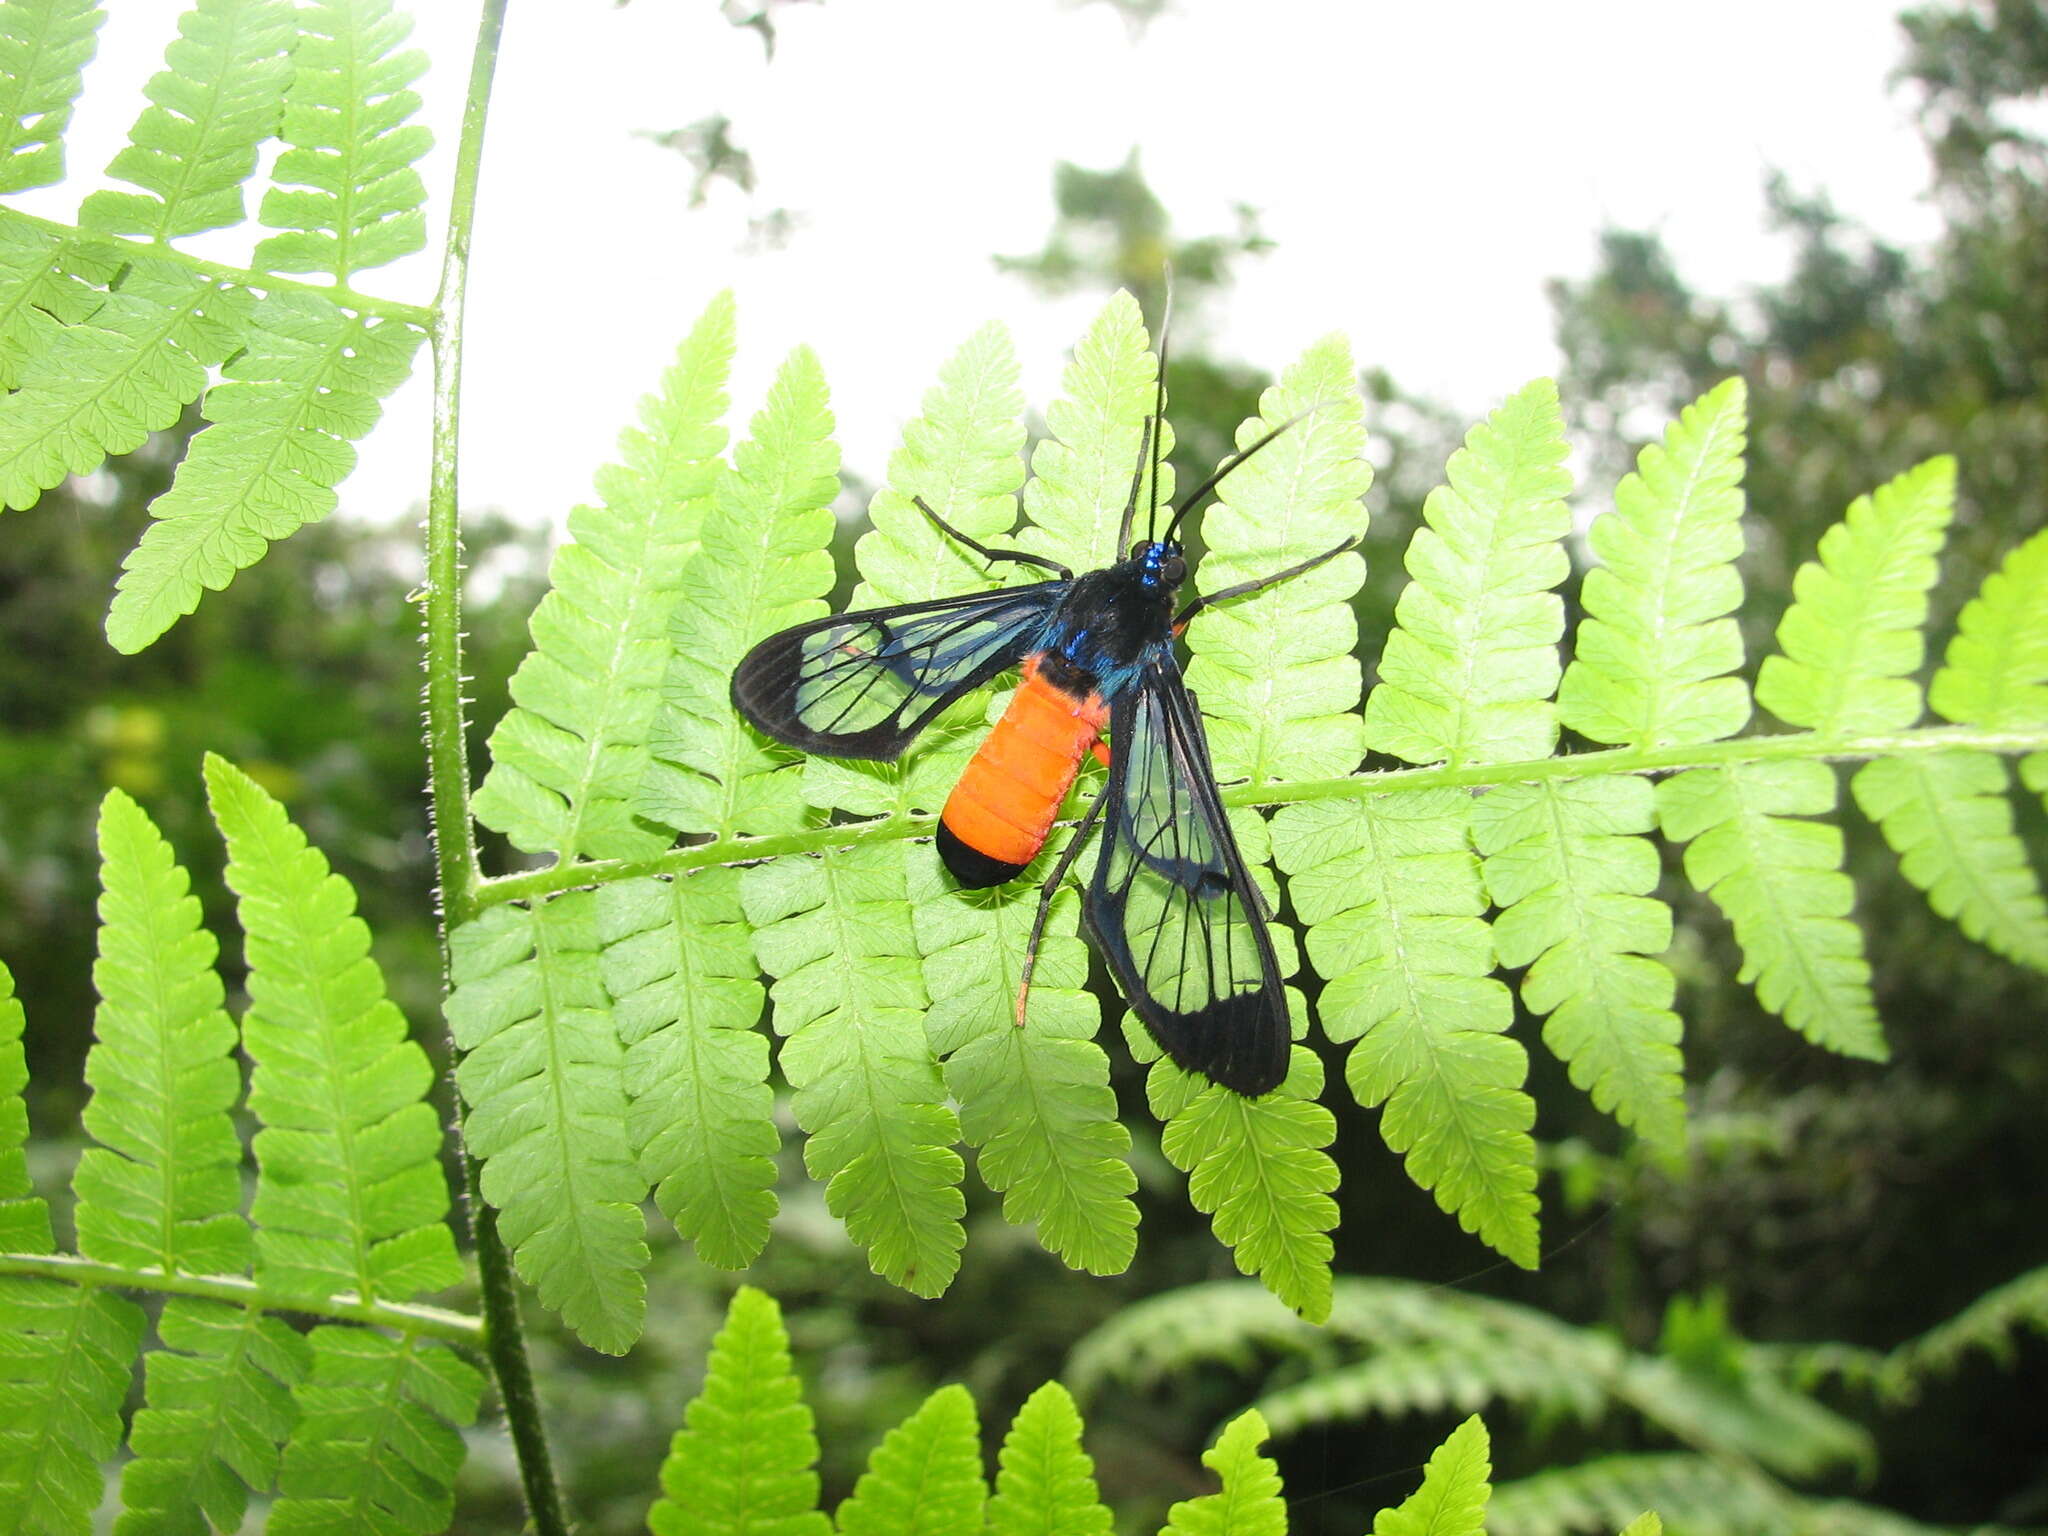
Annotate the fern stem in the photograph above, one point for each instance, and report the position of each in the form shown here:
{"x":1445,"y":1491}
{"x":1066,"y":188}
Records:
{"x":448,"y":776}
{"x":241,"y":277}
{"x":1804,"y":745}
{"x":457,"y":1328}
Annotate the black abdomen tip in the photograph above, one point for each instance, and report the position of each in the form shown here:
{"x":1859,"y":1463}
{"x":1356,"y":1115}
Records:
{"x":975,"y":870}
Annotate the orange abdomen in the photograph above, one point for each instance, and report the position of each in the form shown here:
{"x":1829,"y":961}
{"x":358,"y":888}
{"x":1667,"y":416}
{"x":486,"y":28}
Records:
{"x":997,"y":817}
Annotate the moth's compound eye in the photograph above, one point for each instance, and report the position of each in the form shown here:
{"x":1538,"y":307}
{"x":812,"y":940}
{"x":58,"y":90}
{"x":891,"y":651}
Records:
{"x":1175,"y":570}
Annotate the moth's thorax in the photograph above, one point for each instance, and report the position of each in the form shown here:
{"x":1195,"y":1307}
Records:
{"x":1113,"y":618}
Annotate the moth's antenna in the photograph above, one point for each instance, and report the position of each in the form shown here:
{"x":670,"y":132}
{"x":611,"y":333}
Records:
{"x":1210,"y":484}
{"x":1123,"y":530}
{"x":1159,"y":398}
{"x":1148,"y":443}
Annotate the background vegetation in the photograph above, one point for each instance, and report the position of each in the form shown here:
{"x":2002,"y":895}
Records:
{"x":1824,"y":1201}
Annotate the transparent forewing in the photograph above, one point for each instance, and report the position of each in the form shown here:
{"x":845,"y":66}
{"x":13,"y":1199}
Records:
{"x":863,"y":684}
{"x":1171,"y":906}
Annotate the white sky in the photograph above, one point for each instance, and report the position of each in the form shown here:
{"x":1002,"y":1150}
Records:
{"x":1422,"y":167}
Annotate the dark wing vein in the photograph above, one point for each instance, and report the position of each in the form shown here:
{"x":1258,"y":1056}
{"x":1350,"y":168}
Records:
{"x":863,"y":684}
{"x":1171,"y":905}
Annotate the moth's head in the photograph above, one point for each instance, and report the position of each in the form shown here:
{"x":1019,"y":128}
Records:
{"x":1160,"y":562}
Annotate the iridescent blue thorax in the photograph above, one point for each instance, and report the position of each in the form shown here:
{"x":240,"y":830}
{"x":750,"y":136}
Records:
{"x":1113,"y":619}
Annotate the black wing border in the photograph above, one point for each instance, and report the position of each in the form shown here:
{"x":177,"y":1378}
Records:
{"x":1244,"y":1041}
{"x":764,"y":685}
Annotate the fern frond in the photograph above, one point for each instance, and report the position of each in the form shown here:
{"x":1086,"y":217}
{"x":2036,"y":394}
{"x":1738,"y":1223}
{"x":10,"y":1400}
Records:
{"x":1779,"y":879}
{"x":961,"y":457}
{"x":102,"y":385}
{"x":47,"y":282}
{"x":1995,"y":673}
{"x":1948,"y":818}
{"x":1250,"y":1503}
{"x":1650,"y":659}
{"x":1987,"y":1325}
{"x":350,"y":1194}
{"x":1046,"y":1482}
{"x":743,"y":1464}
{"x":1452,"y":1498}
{"x":1081,"y":470}
{"x":24,"y":1216}
{"x":679,"y":966}
{"x":1567,"y":865}
{"x":1469,"y":669}
{"x":1697,"y":1495}
{"x":1851,"y":640}
{"x":764,"y":563}
{"x":65,"y":1367}
{"x":377,"y":1446}
{"x":309,"y":381}
{"x":924,"y":1479}
{"x":163,"y":1187}
{"x":542,"y":1074}
{"x":1152,"y":1340}
{"x":347,"y":193}
{"x":1257,"y":1168}
{"x":1645,"y":1524}
{"x":211,"y":109}
{"x":44,"y":46}
{"x":1467,"y":1371}
{"x":219,"y":1407}
{"x":1275,"y":671}
{"x":1035,"y":1101}
{"x":1391,"y":893}
{"x":568,"y":758}
{"x":835,"y":932}
{"x":67,"y":1353}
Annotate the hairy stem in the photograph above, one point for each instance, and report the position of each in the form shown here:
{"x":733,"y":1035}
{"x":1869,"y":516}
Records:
{"x":402,"y":1317}
{"x":1805,"y":745}
{"x":448,"y":778}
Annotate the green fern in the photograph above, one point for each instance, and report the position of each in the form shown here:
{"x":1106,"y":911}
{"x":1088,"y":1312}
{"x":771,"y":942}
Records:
{"x":1045,"y":1485}
{"x":163,"y":1189}
{"x":1986,"y":1326}
{"x":1469,"y":669}
{"x":568,"y":758}
{"x":377,"y":1448}
{"x":308,"y":381}
{"x":1697,"y":1496}
{"x":1035,"y":1102}
{"x":836,"y":934}
{"x":104,"y":383}
{"x":1454,"y":1491}
{"x":347,"y":194}
{"x":765,"y":563}
{"x":1250,"y":1503}
{"x":542,"y":1074}
{"x":163,"y":1186}
{"x":1650,"y":659}
{"x":44,"y":45}
{"x":924,"y":1479}
{"x":47,"y":282}
{"x":1408,"y":972}
{"x":678,"y":964}
{"x":1257,"y":1168}
{"x":351,"y":1195}
{"x":1275,"y":671}
{"x":211,"y":109}
{"x":1573,"y":876}
{"x":69,"y":1352}
{"x":742,"y":1464}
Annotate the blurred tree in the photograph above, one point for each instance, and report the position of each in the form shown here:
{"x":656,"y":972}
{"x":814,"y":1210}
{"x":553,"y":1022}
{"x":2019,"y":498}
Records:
{"x":1840,"y":1199}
